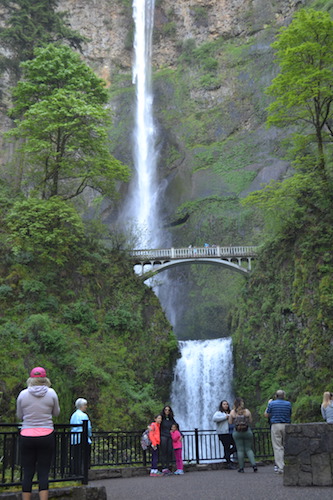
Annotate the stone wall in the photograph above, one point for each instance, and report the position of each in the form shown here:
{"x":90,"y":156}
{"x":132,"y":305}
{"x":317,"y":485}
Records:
{"x":309,"y":455}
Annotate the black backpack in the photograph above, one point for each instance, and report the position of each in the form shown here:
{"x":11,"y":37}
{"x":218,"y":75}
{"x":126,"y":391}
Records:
{"x":241,"y":423}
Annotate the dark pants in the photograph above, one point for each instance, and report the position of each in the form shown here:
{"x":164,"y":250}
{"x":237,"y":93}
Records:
{"x":228,"y":444}
{"x":166,"y":452}
{"x":36,"y":454}
{"x":77,"y":458}
{"x":154,"y":458}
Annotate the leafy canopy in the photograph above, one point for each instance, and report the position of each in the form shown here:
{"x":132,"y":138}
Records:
{"x":303,"y":90}
{"x":31,"y":23}
{"x":50,"y":229}
{"x":303,"y":93}
{"x":59,"y":110}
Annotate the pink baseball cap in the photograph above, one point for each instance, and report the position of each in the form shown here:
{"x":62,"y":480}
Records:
{"x":38,"y":372}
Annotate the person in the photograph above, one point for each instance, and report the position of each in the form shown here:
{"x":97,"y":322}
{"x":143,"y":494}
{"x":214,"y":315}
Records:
{"x":279,"y":412}
{"x":221,"y":418}
{"x":166,"y":448}
{"x":177,"y":439}
{"x":270,"y":426}
{"x":155,"y":438}
{"x":76,"y":420}
{"x":241,"y":418}
{"x":35,"y":407}
{"x":327,"y":407}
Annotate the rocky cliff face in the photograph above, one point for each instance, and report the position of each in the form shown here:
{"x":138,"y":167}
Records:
{"x":237,"y":35}
{"x":109,"y":27}
{"x":212,"y":62}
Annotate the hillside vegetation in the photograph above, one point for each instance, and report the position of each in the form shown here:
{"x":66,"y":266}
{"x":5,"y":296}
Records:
{"x":69,"y":298}
{"x":283,"y":329}
{"x":74,"y":306}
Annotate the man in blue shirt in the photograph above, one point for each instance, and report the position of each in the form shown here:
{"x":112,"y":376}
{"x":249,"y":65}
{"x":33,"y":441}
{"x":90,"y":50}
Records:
{"x":279,"y":413}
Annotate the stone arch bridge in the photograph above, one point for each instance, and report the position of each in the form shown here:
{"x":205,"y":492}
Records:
{"x":151,"y":262}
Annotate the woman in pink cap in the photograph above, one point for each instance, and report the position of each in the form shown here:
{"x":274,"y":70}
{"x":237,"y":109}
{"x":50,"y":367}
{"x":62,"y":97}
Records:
{"x":36,"y":406}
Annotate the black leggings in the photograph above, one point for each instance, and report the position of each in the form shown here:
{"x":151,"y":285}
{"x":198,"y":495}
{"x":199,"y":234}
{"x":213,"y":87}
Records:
{"x":36,"y":453}
{"x":166,"y":452}
{"x":228,"y":445}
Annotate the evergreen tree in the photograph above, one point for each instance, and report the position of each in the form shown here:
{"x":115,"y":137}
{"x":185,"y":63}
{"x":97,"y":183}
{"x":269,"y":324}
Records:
{"x":32,"y":23}
{"x":59,"y":110}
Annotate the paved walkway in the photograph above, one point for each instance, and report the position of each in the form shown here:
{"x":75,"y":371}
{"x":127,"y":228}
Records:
{"x":212,"y":485}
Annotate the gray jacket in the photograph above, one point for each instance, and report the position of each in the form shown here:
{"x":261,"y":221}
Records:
{"x":222,"y":424}
{"x":36,"y":405}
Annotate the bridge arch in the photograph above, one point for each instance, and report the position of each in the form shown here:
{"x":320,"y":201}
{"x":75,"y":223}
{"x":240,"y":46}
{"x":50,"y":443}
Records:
{"x":158,"y":268}
{"x":159,"y":260}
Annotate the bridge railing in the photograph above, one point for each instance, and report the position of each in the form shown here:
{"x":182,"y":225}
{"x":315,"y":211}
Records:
{"x":112,"y":449}
{"x":193,"y":252}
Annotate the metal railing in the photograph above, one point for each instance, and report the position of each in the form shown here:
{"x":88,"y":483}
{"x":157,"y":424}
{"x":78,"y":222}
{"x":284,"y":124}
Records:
{"x":112,"y":449}
{"x":193,"y":252}
{"x":67,"y":465}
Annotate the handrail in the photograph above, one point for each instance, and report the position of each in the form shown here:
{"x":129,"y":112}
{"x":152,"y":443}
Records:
{"x":193,"y":252}
{"x":113,"y":448}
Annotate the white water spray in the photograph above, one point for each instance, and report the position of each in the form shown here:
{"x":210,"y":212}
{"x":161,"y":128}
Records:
{"x":202,"y":378}
{"x":141,"y":207}
{"x":203,"y":375}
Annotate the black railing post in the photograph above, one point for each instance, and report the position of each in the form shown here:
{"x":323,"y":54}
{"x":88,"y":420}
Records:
{"x":85,"y":451}
{"x":196,"y":440}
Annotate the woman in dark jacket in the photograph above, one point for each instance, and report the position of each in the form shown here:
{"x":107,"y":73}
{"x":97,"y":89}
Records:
{"x":166,"y":448}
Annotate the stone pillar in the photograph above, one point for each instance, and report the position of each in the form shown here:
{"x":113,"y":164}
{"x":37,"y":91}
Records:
{"x":308,"y":455}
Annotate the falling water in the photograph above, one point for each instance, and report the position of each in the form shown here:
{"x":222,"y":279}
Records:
{"x":141,"y":207}
{"x":202,"y":378}
{"x":203,"y":374}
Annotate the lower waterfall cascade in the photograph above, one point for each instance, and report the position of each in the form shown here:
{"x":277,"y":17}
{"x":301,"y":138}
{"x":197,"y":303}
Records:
{"x":202,"y":378}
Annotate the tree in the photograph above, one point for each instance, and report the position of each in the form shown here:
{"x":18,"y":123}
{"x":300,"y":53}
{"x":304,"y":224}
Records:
{"x":50,"y":230}
{"x":60,"y":112}
{"x":303,"y":90}
{"x":32,"y":23}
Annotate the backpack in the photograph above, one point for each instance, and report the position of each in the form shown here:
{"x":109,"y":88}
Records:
{"x":145,"y":441}
{"x":241,"y":423}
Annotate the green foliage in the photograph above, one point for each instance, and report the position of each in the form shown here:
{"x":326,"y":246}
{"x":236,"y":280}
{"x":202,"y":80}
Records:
{"x":71,"y":305}
{"x":60,"y":113}
{"x":324,"y":5}
{"x":284,"y":322}
{"x":31,"y":24}
{"x":303,"y":89}
{"x":200,"y":15}
{"x":49,"y":229}
{"x":169,"y":29}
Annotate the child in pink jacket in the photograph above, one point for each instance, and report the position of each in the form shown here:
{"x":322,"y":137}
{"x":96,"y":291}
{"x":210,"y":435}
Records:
{"x":177,"y":447}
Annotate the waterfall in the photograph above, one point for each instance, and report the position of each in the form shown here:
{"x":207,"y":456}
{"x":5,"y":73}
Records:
{"x":141,"y":207}
{"x":202,"y":378}
{"x":203,"y":374}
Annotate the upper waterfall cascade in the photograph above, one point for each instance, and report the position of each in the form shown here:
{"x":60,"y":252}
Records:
{"x":141,"y":206}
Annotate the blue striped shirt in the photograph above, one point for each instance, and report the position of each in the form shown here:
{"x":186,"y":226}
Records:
{"x":279,"y":411}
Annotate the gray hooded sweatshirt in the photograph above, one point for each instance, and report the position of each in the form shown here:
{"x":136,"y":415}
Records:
{"x":36,"y":405}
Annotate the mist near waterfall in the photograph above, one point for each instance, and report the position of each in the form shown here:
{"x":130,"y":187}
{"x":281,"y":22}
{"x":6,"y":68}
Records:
{"x":203,"y":374}
{"x":202,"y":378}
